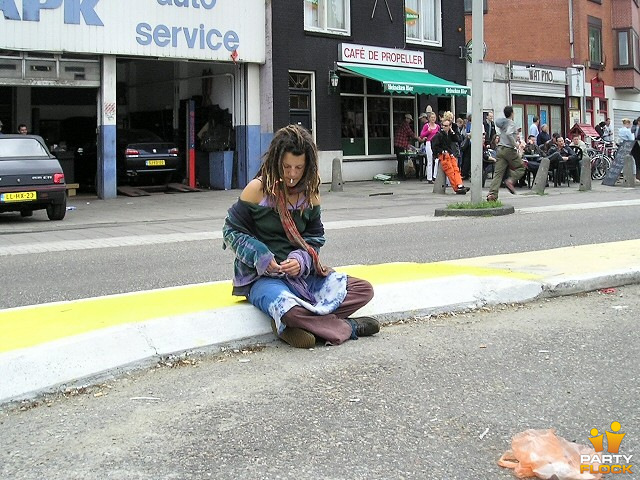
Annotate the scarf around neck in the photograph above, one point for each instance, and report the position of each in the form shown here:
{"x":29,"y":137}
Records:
{"x":290,"y":229}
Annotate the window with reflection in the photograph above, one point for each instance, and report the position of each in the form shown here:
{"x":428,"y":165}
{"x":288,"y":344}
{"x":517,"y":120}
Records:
{"x":424,"y":21}
{"x":369,"y":115}
{"x":329,"y":16}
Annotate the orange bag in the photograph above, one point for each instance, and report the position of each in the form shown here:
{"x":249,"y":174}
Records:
{"x":542,"y":454}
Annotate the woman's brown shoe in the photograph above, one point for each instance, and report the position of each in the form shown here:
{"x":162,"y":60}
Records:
{"x":296,"y":337}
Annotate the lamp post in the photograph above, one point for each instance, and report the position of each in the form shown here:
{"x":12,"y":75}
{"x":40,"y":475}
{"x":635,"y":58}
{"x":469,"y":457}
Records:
{"x":477,"y":31}
{"x":334,"y":80}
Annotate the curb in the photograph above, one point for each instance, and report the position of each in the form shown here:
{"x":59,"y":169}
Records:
{"x":475,"y":212}
{"x":135,"y":330}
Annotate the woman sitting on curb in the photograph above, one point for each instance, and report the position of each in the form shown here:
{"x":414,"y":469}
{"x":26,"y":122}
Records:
{"x":276,"y":231}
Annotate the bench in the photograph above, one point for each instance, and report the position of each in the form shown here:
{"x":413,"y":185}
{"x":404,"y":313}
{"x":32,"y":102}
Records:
{"x":71,"y":189}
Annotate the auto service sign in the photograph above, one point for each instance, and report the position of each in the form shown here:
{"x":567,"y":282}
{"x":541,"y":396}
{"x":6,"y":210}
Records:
{"x":188,"y":29}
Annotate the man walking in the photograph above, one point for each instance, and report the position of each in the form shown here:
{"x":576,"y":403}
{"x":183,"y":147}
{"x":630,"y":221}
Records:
{"x":507,"y":157}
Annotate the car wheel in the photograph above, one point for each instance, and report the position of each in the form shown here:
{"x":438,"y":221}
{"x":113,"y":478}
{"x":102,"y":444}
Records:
{"x":26,"y":213}
{"x":57,"y":211}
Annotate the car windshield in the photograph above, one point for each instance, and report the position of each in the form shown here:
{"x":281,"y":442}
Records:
{"x":21,"y":147}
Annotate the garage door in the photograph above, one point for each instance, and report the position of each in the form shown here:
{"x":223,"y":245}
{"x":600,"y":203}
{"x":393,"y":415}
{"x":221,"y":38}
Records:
{"x":618,"y":115}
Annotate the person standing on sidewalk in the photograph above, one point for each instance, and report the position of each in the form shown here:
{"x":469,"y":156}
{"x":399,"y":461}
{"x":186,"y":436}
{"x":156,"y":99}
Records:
{"x":402,"y":139}
{"x":275,"y":231}
{"x":507,"y":156}
{"x":443,"y":146}
{"x":429,"y":130}
{"x":534,"y":129}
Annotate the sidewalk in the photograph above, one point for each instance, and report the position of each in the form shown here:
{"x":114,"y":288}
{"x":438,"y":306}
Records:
{"x":206,"y":210}
{"x":53,"y":346}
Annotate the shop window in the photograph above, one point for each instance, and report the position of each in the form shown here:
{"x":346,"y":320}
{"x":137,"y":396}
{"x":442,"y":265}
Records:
{"x":300,"y":99}
{"x":328,"y":16}
{"x":544,"y":115}
{"x":595,"y":43}
{"x":468,"y":5}
{"x":351,"y":84}
{"x":352,"y":126}
{"x":369,"y":117}
{"x":556,"y":119}
{"x":378,"y":126}
{"x":424,"y":21}
{"x":589,"y":111}
{"x":518,"y":115}
{"x":402,"y":106}
{"x":628,"y":56}
{"x":532,"y":111}
{"x":603,"y":110}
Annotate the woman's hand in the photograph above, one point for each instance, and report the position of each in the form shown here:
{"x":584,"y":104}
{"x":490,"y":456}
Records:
{"x":274,"y":267}
{"x":291,"y":267}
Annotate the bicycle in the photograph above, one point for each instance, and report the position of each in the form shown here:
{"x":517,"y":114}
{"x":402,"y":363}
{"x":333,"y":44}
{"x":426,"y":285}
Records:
{"x":602,"y":154}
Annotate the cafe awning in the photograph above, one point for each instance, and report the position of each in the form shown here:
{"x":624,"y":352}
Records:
{"x":407,"y":80}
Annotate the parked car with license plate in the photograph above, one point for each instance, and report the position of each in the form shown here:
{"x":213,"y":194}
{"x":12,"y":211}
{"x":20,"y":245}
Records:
{"x":31,"y":178}
{"x":143,"y":155}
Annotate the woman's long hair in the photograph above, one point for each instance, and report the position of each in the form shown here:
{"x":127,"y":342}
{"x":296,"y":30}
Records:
{"x":296,"y":140}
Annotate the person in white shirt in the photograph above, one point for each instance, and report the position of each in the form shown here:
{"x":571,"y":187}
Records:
{"x":607,"y":131}
{"x":625,"y":131}
{"x":534,"y":129}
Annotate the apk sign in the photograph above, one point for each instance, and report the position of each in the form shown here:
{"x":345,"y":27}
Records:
{"x":193,"y":29}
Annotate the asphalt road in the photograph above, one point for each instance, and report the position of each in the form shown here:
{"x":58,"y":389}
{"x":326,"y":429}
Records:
{"x":436,"y":398}
{"x":67,"y":275}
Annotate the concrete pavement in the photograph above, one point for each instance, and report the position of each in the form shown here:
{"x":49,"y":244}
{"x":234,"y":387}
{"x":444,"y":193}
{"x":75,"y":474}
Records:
{"x":52,"y":346}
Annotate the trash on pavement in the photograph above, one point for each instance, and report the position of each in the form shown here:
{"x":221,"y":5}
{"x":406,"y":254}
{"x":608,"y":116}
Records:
{"x":382,"y":177}
{"x":607,"y":290}
{"x":542,"y":454}
{"x":71,"y":207}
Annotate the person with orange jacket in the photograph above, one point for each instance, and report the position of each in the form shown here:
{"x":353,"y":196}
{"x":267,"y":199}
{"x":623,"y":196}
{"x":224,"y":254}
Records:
{"x":443,"y":145}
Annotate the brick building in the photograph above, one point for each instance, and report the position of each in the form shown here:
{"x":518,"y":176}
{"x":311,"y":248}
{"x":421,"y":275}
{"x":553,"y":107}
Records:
{"x":565,"y":61}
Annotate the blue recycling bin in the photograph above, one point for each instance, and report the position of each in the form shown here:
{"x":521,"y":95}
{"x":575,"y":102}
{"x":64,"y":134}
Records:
{"x":221,"y":169}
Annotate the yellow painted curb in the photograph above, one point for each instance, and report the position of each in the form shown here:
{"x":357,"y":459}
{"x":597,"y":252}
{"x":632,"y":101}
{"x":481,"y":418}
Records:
{"x":28,"y":326}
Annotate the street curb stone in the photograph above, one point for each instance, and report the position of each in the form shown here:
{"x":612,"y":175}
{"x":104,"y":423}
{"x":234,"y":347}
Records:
{"x":475,"y":212}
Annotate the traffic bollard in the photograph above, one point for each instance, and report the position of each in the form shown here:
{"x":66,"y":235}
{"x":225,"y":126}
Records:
{"x":440,"y":182}
{"x":542,"y":177}
{"x":336,"y":175}
{"x":585,"y":174}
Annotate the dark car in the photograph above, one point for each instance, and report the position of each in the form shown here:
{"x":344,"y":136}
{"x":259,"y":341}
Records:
{"x":142,"y":155}
{"x":30,"y":177}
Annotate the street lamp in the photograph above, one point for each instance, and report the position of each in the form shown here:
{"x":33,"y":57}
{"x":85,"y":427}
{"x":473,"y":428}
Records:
{"x":334,"y":80}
